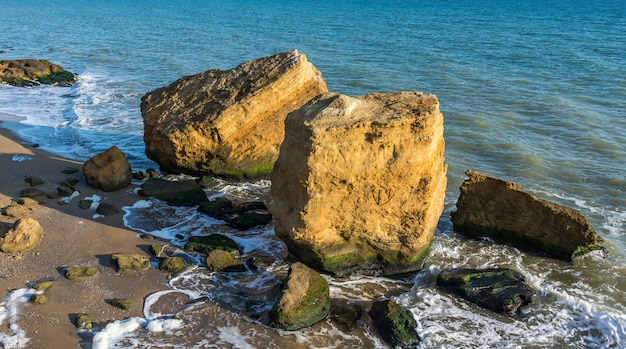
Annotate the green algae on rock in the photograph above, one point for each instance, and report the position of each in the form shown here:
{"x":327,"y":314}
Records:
{"x":43,"y":285}
{"x":206,"y":244}
{"x":171,"y":265}
{"x":80,"y":272}
{"x":38,"y":299}
{"x":84,"y":321}
{"x":123,"y":304}
{"x":394,"y":323}
{"x":220,"y":260}
{"x":130,"y":261}
{"x":32,"y":72}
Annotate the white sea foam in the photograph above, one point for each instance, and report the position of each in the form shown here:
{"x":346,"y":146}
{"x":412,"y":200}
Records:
{"x":20,"y":158}
{"x":9,"y":318}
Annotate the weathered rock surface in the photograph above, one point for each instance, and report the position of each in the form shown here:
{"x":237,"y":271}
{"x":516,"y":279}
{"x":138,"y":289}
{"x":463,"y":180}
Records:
{"x":502,"y":211}
{"x":220,"y":260}
{"x":31,"y":72}
{"x":243,"y":216}
{"x":177,"y":193}
{"x":24,"y":235}
{"x":305,"y":299}
{"x":80,"y":272}
{"x":108,"y":171}
{"x":497,"y":289}
{"x":394,"y":323}
{"x":227,"y":123}
{"x":208,"y":243}
{"x":131,"y":261}
{"x":360,"y":182}
{"x":17,"y":211}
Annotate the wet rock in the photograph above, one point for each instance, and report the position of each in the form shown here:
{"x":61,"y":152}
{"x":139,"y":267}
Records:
{"x":206,"y":244}
{"x":31,"y":202}
{"x":34,"y":181}
{"x":242,"y":216}
{"x":171,"y":265}
{"x":123,"y":304}
{"x":38,"y":299}
{"x":360,"y":182}
{"x":502,"y":211}
{"x":107,"y":209}
{"x":305,"y":299}
{"x":85,"y":204}
{"x":17,"y":211}
{"x":108,"y":171}
{"x":394,"y":323}
{"x":345,"y":314}
{"x":497,"y":289}
{"x":85,"y":321}
{"x":32,"y":72}
{"x":130,"y":261}
{"x":23,"y":235}
{"x":227,"y":123}
{"x":250,"y":220}
{"x":155,"y":249}
{"x":43,"y":285}
{"x":31,"y":193}
{"x":177,"y":193}
{"x":70,"y":170}
{"x":220,"y":260}
{"x":80,"y":272}
{"x":65,"y":191}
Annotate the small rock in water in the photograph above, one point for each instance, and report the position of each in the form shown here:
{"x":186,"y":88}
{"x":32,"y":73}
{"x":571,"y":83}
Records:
{"x":106,"y":209}
{"x":394,"y":323}
{"x":34,"y":181}
{"x":32,"y":193}
{"x":345,"y":313}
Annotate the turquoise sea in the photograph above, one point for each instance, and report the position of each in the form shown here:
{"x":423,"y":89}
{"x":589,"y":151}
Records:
{"x":532,"y":91}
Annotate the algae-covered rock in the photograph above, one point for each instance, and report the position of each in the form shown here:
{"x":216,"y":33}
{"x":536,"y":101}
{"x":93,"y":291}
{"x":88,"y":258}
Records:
{"x":43,"y":285}
{"x":31,"y":193}
{"x":107,"y":209}
{"x":85,"y":204}
{"x":24,"y":235}
{"x":346,"y":314}
{"x":305,"y":299}
{"x":177,"y":193}
{"x":394,"y":323}
{"x":80,"y":272}
{"x":497,"y":289}
{"x":155,"y":249}
{"x":38,"y":299}
{"x":131,"y":261}
{"x":206,"y":244}
{"x":171,"y":265}
{"x":16,"y":211}
{"x":32,"y":72}
{"x":220,"y":260}
{"x":239,"y":216}
{"x":249,"y":220}
{"x":84,"y":321}
{"x":123,"y":304}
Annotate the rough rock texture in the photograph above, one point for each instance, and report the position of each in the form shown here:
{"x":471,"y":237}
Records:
{"x":131,"y":261}
{"x":394,"y":323}
{"x":502,"y":211}
{"x":220,"y":260}
{"x":24,"y":235}
{"x":305,"y":299}
{"x":80,"y":272}
{"x":497,"y":289}
{"x":227,"y":123}
{"x":360,"y":182}
{"x":108,"y":171}
{"x":177,"y":193}
{"x":208,"y":243}
{"x":31,"y":72}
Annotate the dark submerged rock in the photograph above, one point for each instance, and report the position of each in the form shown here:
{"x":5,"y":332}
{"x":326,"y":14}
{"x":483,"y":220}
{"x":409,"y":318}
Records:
{"x":346,"y":314}
{"x":107,"y":209}
{"x":31,"y":193}
{"x":177,"y":193}
{"x":206,"y":244}
{"x":394,"y":323}
{"x":242,"y":216}
{"x":497,"y":289}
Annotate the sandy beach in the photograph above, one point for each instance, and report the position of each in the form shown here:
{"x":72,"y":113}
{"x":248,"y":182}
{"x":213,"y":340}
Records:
{"x":71,"y":237}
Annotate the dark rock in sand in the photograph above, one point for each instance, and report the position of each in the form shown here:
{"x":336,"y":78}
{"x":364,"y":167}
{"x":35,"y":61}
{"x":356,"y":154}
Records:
{"x":502,"y":211}
{"x":305,"y":299}
{"x":31,"y":193}
{"x":65,"y":191}
{"x":497,"y":289}
{"x":242,"y":217}
{"x":171,"y":265}
{"x":394,"y":323}
{"x":206,"y":244}
{"x":32,"y":72}
{"x":107,"y":209}
{"x":346,"y":314}
{"x":108,"y":171}
{"x":177,"y":193}
{"x":34,"y":181}
{"x":130,"y":261}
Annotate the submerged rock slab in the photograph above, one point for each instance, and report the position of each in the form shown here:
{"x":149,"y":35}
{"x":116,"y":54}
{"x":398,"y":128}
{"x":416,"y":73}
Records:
{"x":500,"y":210}
{"x":227,"y":123}
{"x":360,"y":182}
{"x":497,"y":289}
{"x":32,"y":72}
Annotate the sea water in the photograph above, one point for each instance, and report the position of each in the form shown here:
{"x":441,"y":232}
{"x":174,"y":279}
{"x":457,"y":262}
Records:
{"x":531,"y":91}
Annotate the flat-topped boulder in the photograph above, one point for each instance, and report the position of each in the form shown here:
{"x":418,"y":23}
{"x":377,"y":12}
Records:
{"x":32,"y":72}
{"x":501,"y":210}
{"x":360,"y":182}
{"x":227,"y":122}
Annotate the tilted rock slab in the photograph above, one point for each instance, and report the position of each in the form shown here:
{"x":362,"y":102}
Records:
{"x":501,"y":210}
{"x":24,"y":235}
{"x":108,"y":171}
{"x":227,"y":123}
{"x":360,"y":182}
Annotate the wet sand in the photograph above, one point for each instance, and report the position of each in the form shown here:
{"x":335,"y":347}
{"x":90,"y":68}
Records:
{"x":71,"y":237}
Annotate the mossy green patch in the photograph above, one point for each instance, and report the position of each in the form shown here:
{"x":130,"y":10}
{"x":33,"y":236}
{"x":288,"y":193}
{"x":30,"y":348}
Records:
{"x":84,"y":321}
{"x":80,"y":272}
{"x":131,"y":261}
{"x":123,"y":304}
{"x":205,"y":244}
{"x":155,"y":249}
{"x":38,"y":299}
{"x":171,"y":265}
{"x":43,"y":285}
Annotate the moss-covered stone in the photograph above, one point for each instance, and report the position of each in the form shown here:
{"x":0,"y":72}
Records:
{"x":84,"y":321}
{"x":394,"y":323}
{"x":130,"y":261}
{"x":38,"y":299}
{"x":220,"y":260}
{"x":107,"y":209}
{"x":305,"y":299}
{"x":155,"y":249}
{"x":178,"y":193}
{"x":171,"y":265}
{"x":123,"y":304}
{"x":345,"y":314}
{"x":32,"y":72}
{"x":206,"y":244}
{"x":85,"y":204}
{"x":80,"y":272}
{"x":43,"y":285}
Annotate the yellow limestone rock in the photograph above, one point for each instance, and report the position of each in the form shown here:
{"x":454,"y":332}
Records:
{"x":360,"y":182}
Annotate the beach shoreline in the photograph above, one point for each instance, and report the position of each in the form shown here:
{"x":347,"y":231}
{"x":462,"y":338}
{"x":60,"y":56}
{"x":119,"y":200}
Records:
{"x":72,"y":236}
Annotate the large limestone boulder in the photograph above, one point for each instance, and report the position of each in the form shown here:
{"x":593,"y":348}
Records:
{"x":30,"y":72}
{"x":24,"y":235}
{"x":227,"y":123}
{"x":502,"y":211}
{"x":360,"y":182}
{"x":108,"y":171}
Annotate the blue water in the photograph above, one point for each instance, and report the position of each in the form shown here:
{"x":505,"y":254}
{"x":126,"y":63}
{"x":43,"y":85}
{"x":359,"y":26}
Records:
{"x":531,"y":91}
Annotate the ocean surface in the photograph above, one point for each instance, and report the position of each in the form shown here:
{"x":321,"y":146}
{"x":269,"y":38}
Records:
{"x":531,"y":91}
